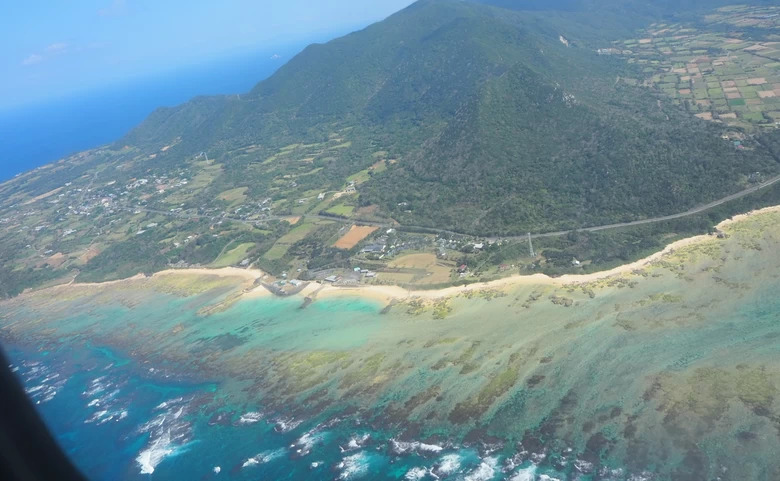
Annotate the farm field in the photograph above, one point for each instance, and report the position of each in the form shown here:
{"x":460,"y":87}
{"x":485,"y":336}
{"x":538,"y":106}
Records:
{"x":435,"y":270}
{"x":354,"y":236}
{"x":342,"y":210}
{"x":282,"y":245}
{"x":719,"y":74}
{"x":235,"y":196}
{"x":233,"y":256}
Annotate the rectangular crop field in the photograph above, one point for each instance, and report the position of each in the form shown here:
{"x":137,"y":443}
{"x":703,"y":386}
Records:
{"x":354,"y":236}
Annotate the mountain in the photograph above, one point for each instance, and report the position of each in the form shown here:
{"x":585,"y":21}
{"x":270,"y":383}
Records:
{"x":500,"y":121}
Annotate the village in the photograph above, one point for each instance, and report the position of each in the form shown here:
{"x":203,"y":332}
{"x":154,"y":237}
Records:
{"x":65,"y":228}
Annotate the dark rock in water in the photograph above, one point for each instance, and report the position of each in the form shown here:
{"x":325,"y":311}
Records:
{"x":474,"y":436}
{"x":490,"y":445}
{"x":306,"y":302}
{"x":386,"y":309}
{"x":746,"y":436}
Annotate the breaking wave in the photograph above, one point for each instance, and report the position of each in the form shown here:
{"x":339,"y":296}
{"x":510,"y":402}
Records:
{"x":264,"y":457}
{"x":354,"y":466}
{"x":168,"y":433}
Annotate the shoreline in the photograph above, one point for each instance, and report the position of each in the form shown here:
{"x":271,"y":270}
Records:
{"x":387,"y":293}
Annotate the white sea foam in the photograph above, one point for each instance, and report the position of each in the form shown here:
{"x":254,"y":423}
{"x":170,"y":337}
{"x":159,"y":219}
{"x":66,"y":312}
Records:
{"x":96,"y":386}
{"x":583,"y":466}
{"x":644,"y":476}
{"x":409,"y":447}
{"x":448,"y":464}
{"x":305,"y":443}
{"x":354,"y":466}
{"x":527,"y":474}
{"x":356,"y":442}
{"x":158,"y":449}
{"x":544,"y":477}
{"x":35,"y":389}
{"x":416,"y":474}
{"x":484,"y":472}
{"x":250,"y":418}
{"x":168,"y":434}
{"x":168,"y":403}
{"x":285,"y":425}
{"x":264,"y":457}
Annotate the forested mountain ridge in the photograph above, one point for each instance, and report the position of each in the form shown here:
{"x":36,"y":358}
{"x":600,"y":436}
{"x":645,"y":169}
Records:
{"x":473,"y":119}
{"x":487,"y":110}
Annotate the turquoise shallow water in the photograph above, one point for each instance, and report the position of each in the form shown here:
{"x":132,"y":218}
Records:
{"x":667,"y":373}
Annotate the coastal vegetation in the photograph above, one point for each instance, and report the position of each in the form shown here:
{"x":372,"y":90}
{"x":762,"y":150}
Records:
{"x":449,"y":125}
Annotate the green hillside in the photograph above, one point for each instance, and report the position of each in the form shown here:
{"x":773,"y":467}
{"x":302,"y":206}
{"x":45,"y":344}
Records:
{"x":458,"y":118}
{"x":497,"y":126}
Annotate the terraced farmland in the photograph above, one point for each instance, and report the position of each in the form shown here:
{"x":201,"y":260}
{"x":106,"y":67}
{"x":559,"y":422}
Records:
{"x":724,"y":69}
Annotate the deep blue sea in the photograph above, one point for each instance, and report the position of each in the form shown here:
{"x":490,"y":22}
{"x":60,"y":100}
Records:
{"x":36,"y":135}
{"x":115,"y":423}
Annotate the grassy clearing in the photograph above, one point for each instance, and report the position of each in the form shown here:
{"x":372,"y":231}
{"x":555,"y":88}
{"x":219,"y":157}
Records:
{"x":342,"y":210}
{"x":235,"y":196}
{"x":298,"y":233}
{"x":233,"y":256}
{"x":281,"y":246}
{"x":276,"y":252}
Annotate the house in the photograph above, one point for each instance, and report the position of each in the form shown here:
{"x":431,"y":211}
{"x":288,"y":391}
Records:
{"x":371,"y":274}
{"x":463,"y":268}
{"x":575,"y":262}
{"x":373,"y":249}
{"x":296,"y":282}
{"x":356,"y":269}
{"x":331,"y":279}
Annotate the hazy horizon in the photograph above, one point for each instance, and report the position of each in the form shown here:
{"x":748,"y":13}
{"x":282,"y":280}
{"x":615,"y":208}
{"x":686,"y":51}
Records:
{"x":98,"y":44}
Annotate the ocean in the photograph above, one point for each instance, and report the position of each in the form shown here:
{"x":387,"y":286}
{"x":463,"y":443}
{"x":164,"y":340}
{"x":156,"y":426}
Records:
{"x":667,"y":372}
{"x":116,"y":424}
{"x":36,"y":135}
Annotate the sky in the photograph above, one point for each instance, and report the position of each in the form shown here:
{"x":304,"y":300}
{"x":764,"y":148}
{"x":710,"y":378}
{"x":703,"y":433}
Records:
{"x":53,"y":48}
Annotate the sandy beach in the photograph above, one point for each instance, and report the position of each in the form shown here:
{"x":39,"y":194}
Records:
{"x":386,"y":293}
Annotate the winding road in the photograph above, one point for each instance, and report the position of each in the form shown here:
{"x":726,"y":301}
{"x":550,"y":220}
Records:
{"x":694,"y":211}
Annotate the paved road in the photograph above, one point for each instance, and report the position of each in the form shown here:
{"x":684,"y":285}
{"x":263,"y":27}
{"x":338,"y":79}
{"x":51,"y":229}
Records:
{"x":694,"y":211}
